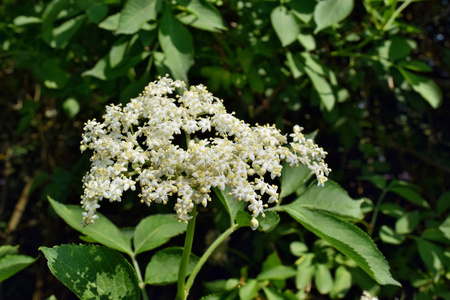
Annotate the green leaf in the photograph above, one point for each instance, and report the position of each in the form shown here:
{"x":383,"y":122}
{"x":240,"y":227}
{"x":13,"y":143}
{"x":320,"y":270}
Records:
{"x":292,"y":177}
{"x":202,"y":15}
{"x":307,"y":41}
{"x":398,"y":47}
{"x":347,"y":238}
{"x":376,"y":180}
{"x":110,"y":23}
{"x":408,"y":222}
{"x":273,"y":294}
{"x":71,"y":107}
{"x":303,"y":10}
{"x":443,"y":203}
{"x":296,"y":66}
{"x":177,"y":45}
{"x":392,"y":210}
{"x":285,"y":25}
{"x":136,"y":13}
{"x":278,"y":273}
{"x":55,"y":77}
{"x":330,"y":12}
{"x":97,"y":12}
{"x":103,"y":231}
{"x":415,"y":65}
{"x":342,"y":283}
{"x":318,"y":73}
{"x":231,"y":205}
{"x":102,"y":70}
{"x":432,"y":255}
{"x":406,"y":191}
{"x":164,"y":265}
{"x":26,"y":20}
{"x":426,"y":87}
{"x":445,"y":227}
{"x":389,"y":236}
{"x":118,"y":50}
{"x":8,"y":250}
{"x":305,"y":271}
{"x":58,"y":37}
{"x":93,"y":272}
{"x":10,"y":264}
{"x":298,"y":248}
{"x":249,"y":290}
{"x":332,"y":199}
{"x":323,"y":279}
{"x":155,"y":231}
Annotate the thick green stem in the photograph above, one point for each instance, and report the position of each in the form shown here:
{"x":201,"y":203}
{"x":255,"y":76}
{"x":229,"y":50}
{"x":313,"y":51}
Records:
{"x":207,"y":254}
{"x":182,"y":291}
{"x":139,"y":276}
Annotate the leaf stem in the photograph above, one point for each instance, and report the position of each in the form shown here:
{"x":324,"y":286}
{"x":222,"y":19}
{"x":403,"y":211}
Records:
{"x":207,"y":254}
{"x":376,"y":210}
{"x":139,"y":276}
{"x":182,"y":291}
{"x":395,"y":14}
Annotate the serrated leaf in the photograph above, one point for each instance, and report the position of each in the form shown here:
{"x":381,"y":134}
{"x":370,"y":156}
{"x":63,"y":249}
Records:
{"x":330,"y":198}
{"x":103,"y":231}
{"x":136,"y":13}
{"x":330,"y":12}
{"x":177,"y":45}
{"x":425,"y":86}
{"x":347,"y":238}
{"x":277,"y":273}
{"x":292,"y":177}
{"x":10,"y":264}
{"x":202,"y":15}
{"x":285,"y":25}
{"x":93,"y":272}
{"x":164,"y":266}
{"x":155,"y":231}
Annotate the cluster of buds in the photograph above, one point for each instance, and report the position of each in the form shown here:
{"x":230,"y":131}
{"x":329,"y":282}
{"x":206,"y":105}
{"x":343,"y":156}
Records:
{"x":133,"y":148}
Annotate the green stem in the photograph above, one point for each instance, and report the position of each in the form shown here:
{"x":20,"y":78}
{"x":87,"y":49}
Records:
{"x":395,"y":14}
{"x":139,"y":276}
{"x":376,"y":210}
{"x":207,"y":254}
{"x":182,"y":291}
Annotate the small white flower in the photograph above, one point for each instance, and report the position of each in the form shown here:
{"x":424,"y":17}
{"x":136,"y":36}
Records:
{"x":134,"y":145}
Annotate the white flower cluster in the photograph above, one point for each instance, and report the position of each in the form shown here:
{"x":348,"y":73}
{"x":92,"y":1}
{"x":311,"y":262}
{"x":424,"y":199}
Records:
{"x":134,"y":145}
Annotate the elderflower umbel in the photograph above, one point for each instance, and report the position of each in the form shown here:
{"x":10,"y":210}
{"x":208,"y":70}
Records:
{"x":134,"y":146}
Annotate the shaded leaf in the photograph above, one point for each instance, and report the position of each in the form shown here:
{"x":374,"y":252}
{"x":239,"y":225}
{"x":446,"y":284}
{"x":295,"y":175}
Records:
{"x":156,"y":230}
{"x":278,"y":273}
{"x":164,"y":265}
{"x":110,"y":23}
{"x":71,"y":107}
{"x":303,"y":9}
{"x":103,"y":231}
{"x":8,"y":250}
{"x":231,"y":205}
{"x":445,"y":228}
{"x":202,"y":15}
{"x":58,"y":37}
{"x":347,"y":238}
{"x":406,"y":190}
{"x":136,"y":13}
{"x":330,"y":12}
{"x":177,"y":45}
{"x":426,"y":87}
{"x":389,"y":236}
{"x":292,"y":177}
{"x":408,"y":222}
{"x":10,"y":264}
{"x":93,"y":272}
{"x":415,"y":65}
{"x":285,"y":25}
{"x":330,"y":198}
{"x":432,"y":255}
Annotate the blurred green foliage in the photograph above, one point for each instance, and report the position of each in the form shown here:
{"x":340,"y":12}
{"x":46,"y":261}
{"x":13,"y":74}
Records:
{"x":371,"y":75}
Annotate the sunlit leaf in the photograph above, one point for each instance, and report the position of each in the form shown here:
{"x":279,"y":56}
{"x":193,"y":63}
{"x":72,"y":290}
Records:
{"x":330,"y":12}
{"x":136,"y":13}
{"x":10,"y":264}
{"x":285,"y":25}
